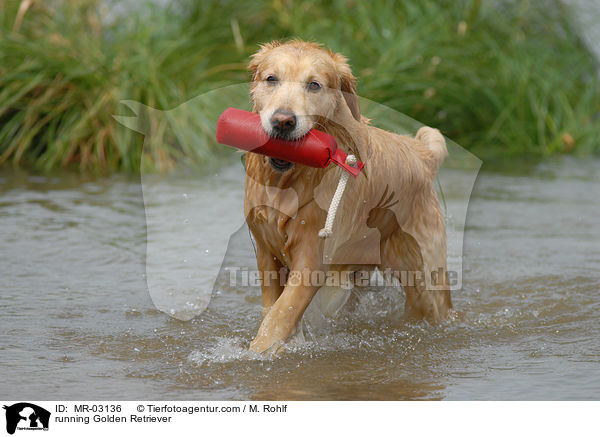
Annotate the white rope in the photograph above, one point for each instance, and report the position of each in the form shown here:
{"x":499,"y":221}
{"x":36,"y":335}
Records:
{"x":327,"y":231}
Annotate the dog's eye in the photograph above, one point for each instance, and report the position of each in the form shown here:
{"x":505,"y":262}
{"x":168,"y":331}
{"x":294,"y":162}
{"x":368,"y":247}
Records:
{"x":271,"y":80}
{"x":314,"y":86}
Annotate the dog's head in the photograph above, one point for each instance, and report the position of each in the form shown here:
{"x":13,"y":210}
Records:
{"x":299,"y":85}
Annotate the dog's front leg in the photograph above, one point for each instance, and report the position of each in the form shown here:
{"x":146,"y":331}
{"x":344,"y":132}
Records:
{"x":283,"y":317}
{"x":270,"y":274}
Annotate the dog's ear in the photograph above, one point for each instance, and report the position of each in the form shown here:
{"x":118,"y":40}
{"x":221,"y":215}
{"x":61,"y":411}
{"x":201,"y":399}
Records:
{"x":258,"y":57}
{"x":347,"y":84}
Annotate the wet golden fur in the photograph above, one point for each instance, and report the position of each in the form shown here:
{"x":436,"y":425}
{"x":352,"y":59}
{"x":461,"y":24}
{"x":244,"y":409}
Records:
{"x":286,"y":210}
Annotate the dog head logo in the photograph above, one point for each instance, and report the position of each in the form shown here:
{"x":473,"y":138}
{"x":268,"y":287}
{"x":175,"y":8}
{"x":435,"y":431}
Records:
{"x":189,"y":228}
{"x":26,"y":416}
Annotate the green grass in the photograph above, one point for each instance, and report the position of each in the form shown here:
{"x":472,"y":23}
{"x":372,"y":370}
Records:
{"x":502,"y":78}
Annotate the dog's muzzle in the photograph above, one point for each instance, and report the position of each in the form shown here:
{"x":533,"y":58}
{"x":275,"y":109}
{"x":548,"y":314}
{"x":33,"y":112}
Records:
{"x":283,"y":123}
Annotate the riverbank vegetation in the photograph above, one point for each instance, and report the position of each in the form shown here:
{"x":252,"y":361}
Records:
{"x":504,"y":79}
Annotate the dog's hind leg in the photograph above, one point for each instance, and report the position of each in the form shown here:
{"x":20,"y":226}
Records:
{"x":421,"y":269}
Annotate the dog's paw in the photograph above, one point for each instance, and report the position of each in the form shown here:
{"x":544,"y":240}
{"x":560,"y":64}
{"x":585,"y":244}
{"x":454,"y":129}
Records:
{"x":266,"y":346}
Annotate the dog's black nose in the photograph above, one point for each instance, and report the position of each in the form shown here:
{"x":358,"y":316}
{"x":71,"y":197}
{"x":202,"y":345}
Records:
{"x":283,"y":121}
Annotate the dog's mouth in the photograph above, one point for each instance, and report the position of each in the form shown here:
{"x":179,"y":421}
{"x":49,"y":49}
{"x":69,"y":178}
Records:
{"x":280,"y":164}
{"x":293,"y":135}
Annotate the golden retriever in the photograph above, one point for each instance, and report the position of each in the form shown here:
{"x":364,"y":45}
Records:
{"x":389,"y":216}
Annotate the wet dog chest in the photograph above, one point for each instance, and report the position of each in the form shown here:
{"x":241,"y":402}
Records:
{"x":268,"y":226}
{"x":268,"y":210}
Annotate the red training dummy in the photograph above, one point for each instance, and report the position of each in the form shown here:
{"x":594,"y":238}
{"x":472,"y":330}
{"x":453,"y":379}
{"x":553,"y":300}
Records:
{"x":243,"y":130}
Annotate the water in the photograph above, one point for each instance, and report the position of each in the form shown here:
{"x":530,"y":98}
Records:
{"x":77,"y":320}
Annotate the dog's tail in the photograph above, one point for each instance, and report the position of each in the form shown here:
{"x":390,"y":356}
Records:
{"x":435,"y":144}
